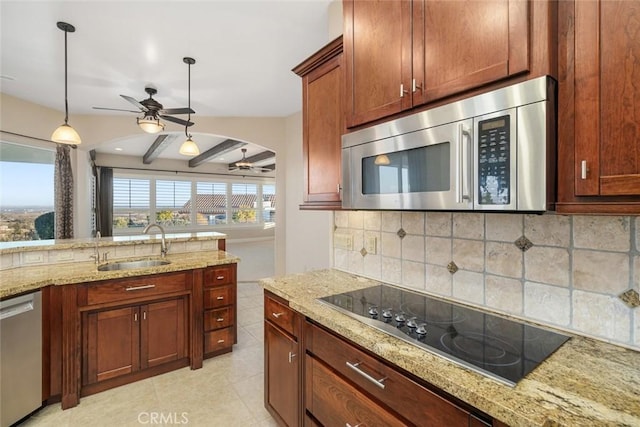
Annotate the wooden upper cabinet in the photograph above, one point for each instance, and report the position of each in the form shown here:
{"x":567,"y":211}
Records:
{"x":378,"y":58}
{"x":403,"y":54}
{"x":459,"y":45}
{"x":599,"y":107}
{"x":323,"y":126}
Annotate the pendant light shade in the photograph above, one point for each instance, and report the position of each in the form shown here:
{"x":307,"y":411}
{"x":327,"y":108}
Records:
{"x":65,"y":134}
{"x":189,"y":148}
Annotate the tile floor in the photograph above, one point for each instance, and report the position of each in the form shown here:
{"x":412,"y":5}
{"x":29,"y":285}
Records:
{"x":227,"y":391}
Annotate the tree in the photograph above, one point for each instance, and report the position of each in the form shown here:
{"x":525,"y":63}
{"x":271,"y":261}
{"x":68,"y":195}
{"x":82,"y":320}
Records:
{"x":45,"y":226}
{"x":164,"y":217}
{"x":244,"y":215}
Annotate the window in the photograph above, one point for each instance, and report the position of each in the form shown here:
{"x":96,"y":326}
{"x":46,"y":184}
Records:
{"x":211,"y":203}
{"x":190,"y":205}
{"x":26,"y":192}
{"x":172,"y":198}
{"x":131,"y":207}
{"x":244,"y":203}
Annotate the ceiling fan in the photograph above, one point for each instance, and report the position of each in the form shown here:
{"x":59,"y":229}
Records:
{"x":245,"y":165}
{"x":153,"y":111}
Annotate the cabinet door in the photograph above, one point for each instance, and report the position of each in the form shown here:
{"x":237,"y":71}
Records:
{"x":163,"y":332}
{"x":323,"y":111}
{"x":111,"y":344}
{"x":377,"y":46}
{"x":459,"y":45}
{"x":282,"y":374}
{"x":607,"y":98}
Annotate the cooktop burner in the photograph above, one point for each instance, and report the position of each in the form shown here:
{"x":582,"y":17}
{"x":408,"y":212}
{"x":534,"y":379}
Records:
{"x":503,"y":349}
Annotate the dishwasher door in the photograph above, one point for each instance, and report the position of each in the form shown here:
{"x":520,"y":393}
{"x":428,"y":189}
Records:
{"x":20,"y":357}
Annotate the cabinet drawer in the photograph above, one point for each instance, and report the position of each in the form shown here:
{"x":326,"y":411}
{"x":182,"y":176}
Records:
{"x":334,"y":402}
{"x":384,"y":382}
{"x":217,"y":276}
{"x":218,"y":340}
{"x":280,"y":315}
{"x":219,"y":296}
{"x":123,"y":289}
{"x":217,"y":319}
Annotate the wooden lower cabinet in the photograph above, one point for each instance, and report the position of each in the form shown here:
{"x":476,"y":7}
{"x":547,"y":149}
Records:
{"x":334,"y":382}
{"x":219,"y":309}
{"x":335,"y":402}
{"x":123,"y":340}
{"x":282,"y":370}
{"x":282,"y":361}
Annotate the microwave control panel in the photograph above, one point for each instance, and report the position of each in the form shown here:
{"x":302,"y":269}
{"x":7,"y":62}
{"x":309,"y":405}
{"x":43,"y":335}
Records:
{"x":494,"y":161}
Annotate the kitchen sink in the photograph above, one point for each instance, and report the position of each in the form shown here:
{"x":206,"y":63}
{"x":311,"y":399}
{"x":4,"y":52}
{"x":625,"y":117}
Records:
{"x":130,"y":265}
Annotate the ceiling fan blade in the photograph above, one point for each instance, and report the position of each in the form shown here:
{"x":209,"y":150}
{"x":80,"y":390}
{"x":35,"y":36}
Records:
{"x":115,"y":109}
{"x":135,"y":102}
{"x":184,"y":110}
{"x":177,"y":120}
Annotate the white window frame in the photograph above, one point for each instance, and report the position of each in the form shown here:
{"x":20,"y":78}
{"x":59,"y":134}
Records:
{"x":194,"y":179}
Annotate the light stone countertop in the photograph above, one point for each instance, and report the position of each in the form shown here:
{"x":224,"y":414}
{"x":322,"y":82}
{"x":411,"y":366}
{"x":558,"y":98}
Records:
{"x":24,"y":279}
{"x":584,"y":383}
{"x":136,"y":239}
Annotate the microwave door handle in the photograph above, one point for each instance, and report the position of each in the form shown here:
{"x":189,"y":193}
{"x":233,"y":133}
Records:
{"x":463,"y":175}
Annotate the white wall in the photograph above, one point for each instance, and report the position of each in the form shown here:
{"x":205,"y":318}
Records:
{"x":308,"y":233}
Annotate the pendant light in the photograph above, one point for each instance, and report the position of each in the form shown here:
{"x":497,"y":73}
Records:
{"x":65,"y":134}
{"x":189,"y":148}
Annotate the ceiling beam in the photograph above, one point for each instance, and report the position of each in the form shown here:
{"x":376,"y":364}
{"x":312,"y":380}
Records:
{"x":158,"y":146}
{"x":256,"y":158}
{"x":224,"y":147}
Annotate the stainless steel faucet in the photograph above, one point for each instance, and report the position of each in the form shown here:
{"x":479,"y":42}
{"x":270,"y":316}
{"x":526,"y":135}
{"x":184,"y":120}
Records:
{"x":96,"y":251}
{"x":164,"y":249}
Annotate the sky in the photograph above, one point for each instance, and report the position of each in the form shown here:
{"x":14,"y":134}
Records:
{"x":25,"y":184}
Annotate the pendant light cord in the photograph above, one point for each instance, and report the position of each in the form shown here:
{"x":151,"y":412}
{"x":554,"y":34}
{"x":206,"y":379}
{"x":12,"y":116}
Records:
{"x":186,"y":127}
{"x":66,"y":103}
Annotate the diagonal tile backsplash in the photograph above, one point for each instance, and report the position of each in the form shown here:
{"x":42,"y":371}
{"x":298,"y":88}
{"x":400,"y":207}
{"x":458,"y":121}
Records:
{"x":573,"y":272}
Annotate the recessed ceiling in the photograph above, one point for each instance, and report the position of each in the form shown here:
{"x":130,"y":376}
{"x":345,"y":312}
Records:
{"x":244,"y":53}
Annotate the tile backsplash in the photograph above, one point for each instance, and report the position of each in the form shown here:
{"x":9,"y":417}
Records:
{"x":578,"y":273}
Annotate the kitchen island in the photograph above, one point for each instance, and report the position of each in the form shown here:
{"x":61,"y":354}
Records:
{"x":104,"y":326}
{"x":585,"y":382}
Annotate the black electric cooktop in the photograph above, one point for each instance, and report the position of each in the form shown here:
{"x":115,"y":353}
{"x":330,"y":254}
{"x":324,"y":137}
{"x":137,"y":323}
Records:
{"x":503,"y":349}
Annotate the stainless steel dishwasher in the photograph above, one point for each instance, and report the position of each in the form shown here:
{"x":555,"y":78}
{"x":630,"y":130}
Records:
{"x":20,"y":357}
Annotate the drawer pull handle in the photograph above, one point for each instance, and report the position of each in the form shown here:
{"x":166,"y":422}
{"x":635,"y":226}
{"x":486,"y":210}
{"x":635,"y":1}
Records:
{"x":220,"y":319}
{"x":357,"y":425}
{"x":137,"y":288}
{"x":220,"y":341}
{"x":220,"y":277}
{"x":291,"y":356}
{"x":220,"y":298}
{"x":277,"y":315}
{"x":355,"y":367}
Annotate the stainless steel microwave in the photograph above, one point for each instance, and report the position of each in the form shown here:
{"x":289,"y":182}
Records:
{"x":494,"y":152}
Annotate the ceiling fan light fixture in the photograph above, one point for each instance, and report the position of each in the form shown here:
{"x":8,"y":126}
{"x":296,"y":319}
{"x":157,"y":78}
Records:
{"x":65,"y":134}
{"x":150,"y":124}
{"x":189,"y":148}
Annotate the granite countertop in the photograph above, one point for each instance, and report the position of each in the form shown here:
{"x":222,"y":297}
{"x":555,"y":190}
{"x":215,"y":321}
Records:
{"x":23,"y":279}
{"x":135,"y":239}
{"x":585,"y":382}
